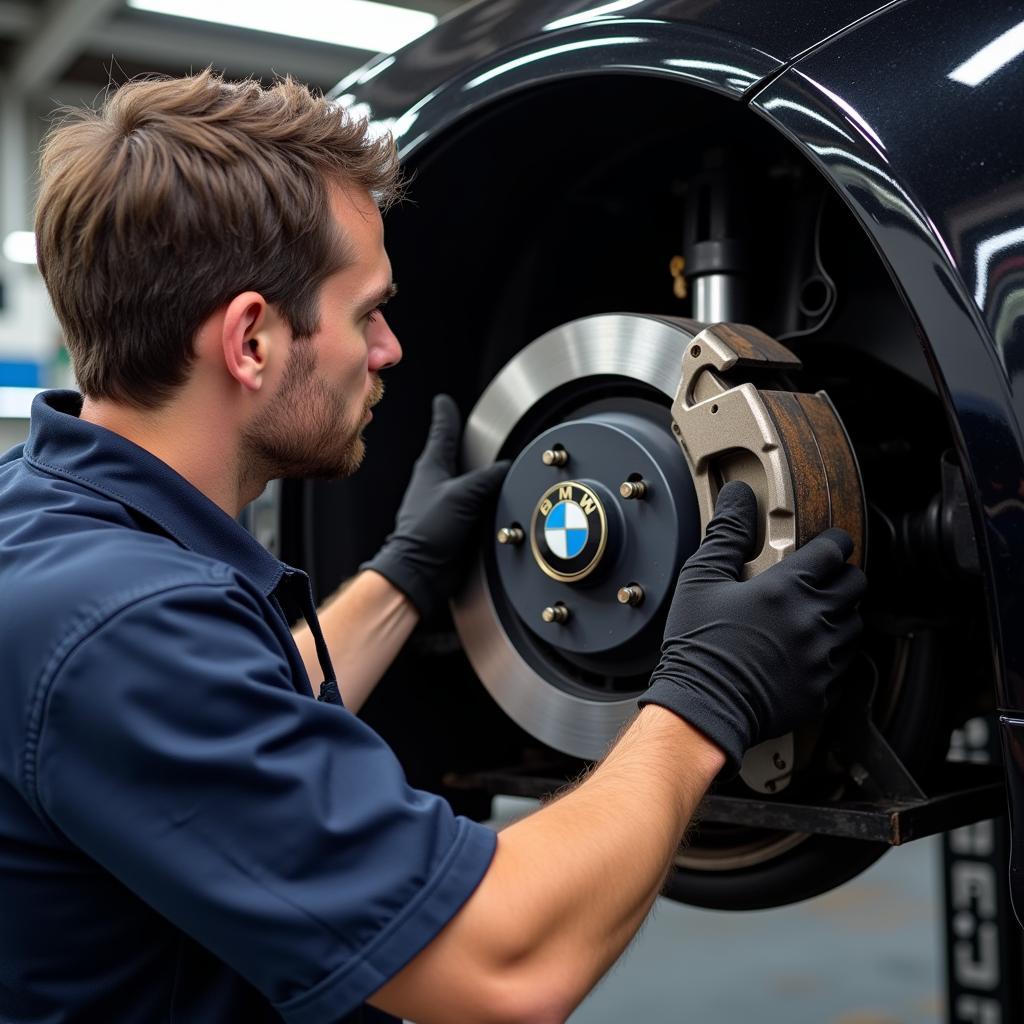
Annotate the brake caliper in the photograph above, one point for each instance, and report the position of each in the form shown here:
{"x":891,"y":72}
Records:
{"x":790,"y":447}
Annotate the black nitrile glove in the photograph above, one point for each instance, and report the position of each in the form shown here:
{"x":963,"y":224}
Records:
{"x":744,"y":661}
{"x":436,"y":523}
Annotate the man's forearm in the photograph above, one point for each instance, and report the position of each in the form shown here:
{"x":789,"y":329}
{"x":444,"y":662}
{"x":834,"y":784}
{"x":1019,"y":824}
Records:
{"x":619,"y":831}
{"x":568,"y":888}
{"x":365,"y":625}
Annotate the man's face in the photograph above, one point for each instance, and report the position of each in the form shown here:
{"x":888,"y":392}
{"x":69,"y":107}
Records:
{"x":312,"y":425}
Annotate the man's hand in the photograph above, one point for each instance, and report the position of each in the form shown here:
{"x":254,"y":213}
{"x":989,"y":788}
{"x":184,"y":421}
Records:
{"x":570,"y":884}
{"x":426,"y":552}
{"x":747,"y":660}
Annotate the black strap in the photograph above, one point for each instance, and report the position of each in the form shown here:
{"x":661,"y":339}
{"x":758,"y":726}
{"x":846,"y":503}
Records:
{"x":329,"y":692}
{"x":299,"y":589}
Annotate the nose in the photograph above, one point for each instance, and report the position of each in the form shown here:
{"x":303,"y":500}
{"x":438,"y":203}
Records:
{"x":385,"y":348}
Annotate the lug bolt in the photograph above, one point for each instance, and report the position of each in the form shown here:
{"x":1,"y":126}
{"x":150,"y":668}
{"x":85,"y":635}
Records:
{"x":510,"y":535}
{"x":555,"y":457}
{"x":632,"y":594}
{"x":633,"y":489}
{"x":555,"y":613}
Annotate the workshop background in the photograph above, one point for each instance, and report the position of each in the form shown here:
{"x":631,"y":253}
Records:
{"x":869,"y":952}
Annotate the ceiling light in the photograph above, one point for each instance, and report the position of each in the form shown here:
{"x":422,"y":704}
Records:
{"x":604,"y":11}
{"x":989,"y":59}
{"x":20,"y":247}
{"x":361,"y":24}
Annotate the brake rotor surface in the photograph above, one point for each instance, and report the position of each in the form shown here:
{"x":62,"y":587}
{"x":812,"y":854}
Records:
{"x":528,"y":687}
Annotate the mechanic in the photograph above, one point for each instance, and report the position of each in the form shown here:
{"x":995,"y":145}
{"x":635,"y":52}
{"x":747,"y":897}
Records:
{"x":186,"y":834}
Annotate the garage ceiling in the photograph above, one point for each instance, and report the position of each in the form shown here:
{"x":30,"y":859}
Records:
{"x":67,"y":52}
{"x":55,"y":49}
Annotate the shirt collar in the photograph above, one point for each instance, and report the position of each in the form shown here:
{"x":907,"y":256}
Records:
{"x":61,"y":443}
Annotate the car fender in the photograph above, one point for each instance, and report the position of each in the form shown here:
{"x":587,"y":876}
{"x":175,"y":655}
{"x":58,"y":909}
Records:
{"x":920,"y":142}
{"x":488,"y":50}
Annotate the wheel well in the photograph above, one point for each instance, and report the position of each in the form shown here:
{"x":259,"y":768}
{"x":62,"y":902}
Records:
{"x":571,"y":199}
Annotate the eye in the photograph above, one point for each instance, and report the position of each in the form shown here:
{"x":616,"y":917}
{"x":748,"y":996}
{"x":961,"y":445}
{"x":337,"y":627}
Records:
{"x":378,"y":309}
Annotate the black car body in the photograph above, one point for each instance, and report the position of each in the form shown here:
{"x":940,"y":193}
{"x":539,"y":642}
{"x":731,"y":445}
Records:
{"x":551,"y":147}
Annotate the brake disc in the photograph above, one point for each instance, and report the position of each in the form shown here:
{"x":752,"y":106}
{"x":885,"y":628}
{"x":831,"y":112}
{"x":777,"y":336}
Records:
{"x":562,"y":614}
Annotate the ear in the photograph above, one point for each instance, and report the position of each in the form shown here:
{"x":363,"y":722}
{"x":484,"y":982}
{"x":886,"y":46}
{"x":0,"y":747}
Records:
{"x":245,"y":339}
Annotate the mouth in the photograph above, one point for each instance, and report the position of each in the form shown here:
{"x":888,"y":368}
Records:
{"x":376,"y":394}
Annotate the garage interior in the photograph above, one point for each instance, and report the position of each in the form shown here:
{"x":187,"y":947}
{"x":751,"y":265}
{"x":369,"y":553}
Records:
{"x":874,"y":950}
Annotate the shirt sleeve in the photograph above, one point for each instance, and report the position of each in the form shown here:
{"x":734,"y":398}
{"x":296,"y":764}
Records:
{"x":277,"y":831}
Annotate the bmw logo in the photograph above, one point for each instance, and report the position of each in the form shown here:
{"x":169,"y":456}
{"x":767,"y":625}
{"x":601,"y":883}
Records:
{"x":569,"y":531}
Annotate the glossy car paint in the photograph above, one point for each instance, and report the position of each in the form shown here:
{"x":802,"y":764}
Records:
{"x":880,"y":97}
{"x":931,"y":172}
{"x":492,"y":48}
{"x":934,"y":171}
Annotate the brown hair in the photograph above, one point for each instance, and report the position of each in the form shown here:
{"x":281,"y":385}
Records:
{"x":178,"y":195}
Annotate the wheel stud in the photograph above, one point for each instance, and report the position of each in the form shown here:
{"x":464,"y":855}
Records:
{"x":555,"y":457}
{"x":510,"y":535}
{"x":633,"y":489}
{"x":633,"y":594}
{"x":555,"y":613}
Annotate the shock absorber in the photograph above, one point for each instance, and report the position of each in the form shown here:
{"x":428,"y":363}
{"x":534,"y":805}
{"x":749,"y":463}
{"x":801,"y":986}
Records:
{"x":717,"y":256}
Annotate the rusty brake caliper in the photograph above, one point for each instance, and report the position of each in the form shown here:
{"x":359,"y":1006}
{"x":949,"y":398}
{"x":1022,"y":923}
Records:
{"x":790,"y":447}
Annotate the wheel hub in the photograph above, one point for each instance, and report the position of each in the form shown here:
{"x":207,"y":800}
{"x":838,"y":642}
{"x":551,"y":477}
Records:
{"x":584,"y":541}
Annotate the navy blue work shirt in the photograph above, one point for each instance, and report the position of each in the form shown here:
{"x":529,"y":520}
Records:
{"x":186,"y":834}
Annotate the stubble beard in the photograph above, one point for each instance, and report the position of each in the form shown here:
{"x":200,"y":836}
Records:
{"x":307,"y":431}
